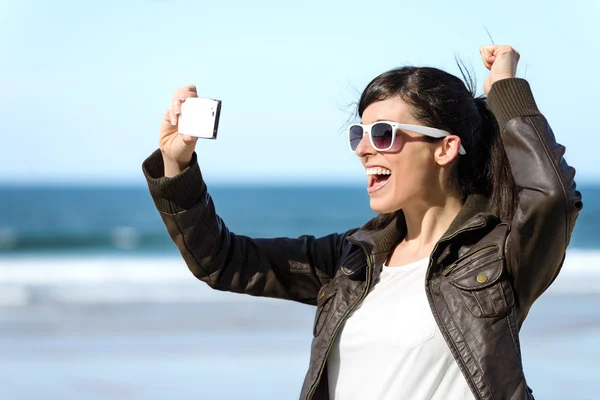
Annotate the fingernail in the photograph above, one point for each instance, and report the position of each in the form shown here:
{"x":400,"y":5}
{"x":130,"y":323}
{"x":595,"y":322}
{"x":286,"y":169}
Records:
{"x":173,"y":121}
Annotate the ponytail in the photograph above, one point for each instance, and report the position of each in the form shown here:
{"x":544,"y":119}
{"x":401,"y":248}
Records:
{"x":496,"y":173}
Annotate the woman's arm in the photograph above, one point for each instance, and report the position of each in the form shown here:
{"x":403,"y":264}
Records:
{"x":548,"y":202}
{"x":285,"y":268}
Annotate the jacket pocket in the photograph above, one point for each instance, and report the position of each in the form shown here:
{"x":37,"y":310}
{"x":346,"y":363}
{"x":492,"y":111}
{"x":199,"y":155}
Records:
{"x":485,"y":290}
{"x":324,"y":301}
{"x":470,"y":258}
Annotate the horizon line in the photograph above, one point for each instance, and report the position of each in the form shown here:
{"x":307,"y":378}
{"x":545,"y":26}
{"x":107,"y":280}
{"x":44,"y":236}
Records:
{"x":210,"y":183}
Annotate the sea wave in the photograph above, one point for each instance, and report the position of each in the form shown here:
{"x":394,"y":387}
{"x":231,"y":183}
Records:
{"x":27,"y":280}
{"x":111,"y":238}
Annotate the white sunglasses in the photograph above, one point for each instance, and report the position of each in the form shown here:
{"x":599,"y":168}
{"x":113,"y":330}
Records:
{"x":383,"y":134}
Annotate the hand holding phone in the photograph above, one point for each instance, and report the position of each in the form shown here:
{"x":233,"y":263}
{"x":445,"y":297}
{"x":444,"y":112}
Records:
{"x":177,"y":147}
{"x":199,"y":117}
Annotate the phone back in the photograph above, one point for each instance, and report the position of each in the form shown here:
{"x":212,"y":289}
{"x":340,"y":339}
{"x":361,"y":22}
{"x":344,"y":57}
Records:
{"x":199,"y":117}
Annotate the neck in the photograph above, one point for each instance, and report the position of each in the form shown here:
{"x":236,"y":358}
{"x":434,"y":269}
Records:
{"x":427,"y":222}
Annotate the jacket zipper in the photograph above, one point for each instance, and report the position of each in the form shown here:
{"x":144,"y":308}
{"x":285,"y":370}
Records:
{"x":451,"y":345}
{"x":483,"y":250}
{"x":346,"y":315}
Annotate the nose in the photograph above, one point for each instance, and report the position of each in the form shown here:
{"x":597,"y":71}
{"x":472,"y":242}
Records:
{"x":365,"y":148}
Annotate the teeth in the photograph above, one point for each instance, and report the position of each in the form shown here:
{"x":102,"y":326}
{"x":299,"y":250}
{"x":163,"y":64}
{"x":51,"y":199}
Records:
{"x":378,"y":171}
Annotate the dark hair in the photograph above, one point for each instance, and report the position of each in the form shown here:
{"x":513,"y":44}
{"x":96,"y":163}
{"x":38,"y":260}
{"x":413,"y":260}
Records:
{"x":441,"y":100}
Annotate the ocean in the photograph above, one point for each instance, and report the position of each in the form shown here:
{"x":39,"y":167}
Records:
{"x":96,"y":303}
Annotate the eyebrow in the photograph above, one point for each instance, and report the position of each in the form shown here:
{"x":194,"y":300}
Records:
{"x":381,"y":120}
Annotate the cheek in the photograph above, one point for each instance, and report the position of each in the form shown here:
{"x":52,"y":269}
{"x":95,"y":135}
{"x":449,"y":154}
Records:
{"x":411,"y":172}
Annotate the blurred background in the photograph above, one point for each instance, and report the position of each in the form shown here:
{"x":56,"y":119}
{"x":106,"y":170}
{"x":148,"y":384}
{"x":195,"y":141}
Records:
{"x":95,"y":301}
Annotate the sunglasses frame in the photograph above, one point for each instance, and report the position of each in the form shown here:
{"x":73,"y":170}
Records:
{"x":422,"y":130}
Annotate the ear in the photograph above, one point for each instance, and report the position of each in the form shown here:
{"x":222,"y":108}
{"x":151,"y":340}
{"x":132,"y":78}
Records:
{"x":447,"y":150}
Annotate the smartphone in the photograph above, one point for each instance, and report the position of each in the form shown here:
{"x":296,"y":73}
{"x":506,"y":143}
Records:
{"x":199,"y":117}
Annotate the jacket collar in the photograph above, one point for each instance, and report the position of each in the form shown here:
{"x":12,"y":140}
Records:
{"x":473,"y":214}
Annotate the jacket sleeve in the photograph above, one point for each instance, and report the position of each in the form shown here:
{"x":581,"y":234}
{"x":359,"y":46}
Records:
{"x":285,"y":268}
{"x":548,"y":202}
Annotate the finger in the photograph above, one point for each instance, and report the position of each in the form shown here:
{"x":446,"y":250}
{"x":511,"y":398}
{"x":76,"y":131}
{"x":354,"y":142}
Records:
{"x":489,"y":62}
{"x":186,"y":95}
{"x":189,"y":139}
{"x":175,"y":107}
{"x":487,"y":52}
{"x":182,"y":96}
{"x":170,"y":117}
{"x":487,"y":55}
{"x":503,"y":49}
{"x":191,"y":88}
{"x":187,"y":91}
{"x":489,"y":49}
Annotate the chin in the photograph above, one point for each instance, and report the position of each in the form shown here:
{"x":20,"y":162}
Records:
{"x":381,"y":206}
{"x":386,"y":202}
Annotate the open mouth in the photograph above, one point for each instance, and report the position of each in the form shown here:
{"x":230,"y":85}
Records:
{"x":378,"y":178}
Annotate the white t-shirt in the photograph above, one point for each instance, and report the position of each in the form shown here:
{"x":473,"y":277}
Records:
{"x":391,"y":348}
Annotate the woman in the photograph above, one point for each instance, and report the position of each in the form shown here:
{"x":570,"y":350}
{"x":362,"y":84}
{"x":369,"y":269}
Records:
{"x":426,"y":301}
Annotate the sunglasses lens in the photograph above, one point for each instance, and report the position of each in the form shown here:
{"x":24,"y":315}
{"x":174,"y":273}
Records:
{"x":382,"y":135}
{"x":356,"y":135}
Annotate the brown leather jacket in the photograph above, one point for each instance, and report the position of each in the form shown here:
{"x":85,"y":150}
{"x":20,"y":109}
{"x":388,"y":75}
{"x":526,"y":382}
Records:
{"x":483,"y":274}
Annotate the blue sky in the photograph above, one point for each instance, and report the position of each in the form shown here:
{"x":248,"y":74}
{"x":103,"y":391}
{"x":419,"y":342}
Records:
{"x":84,"y":84}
